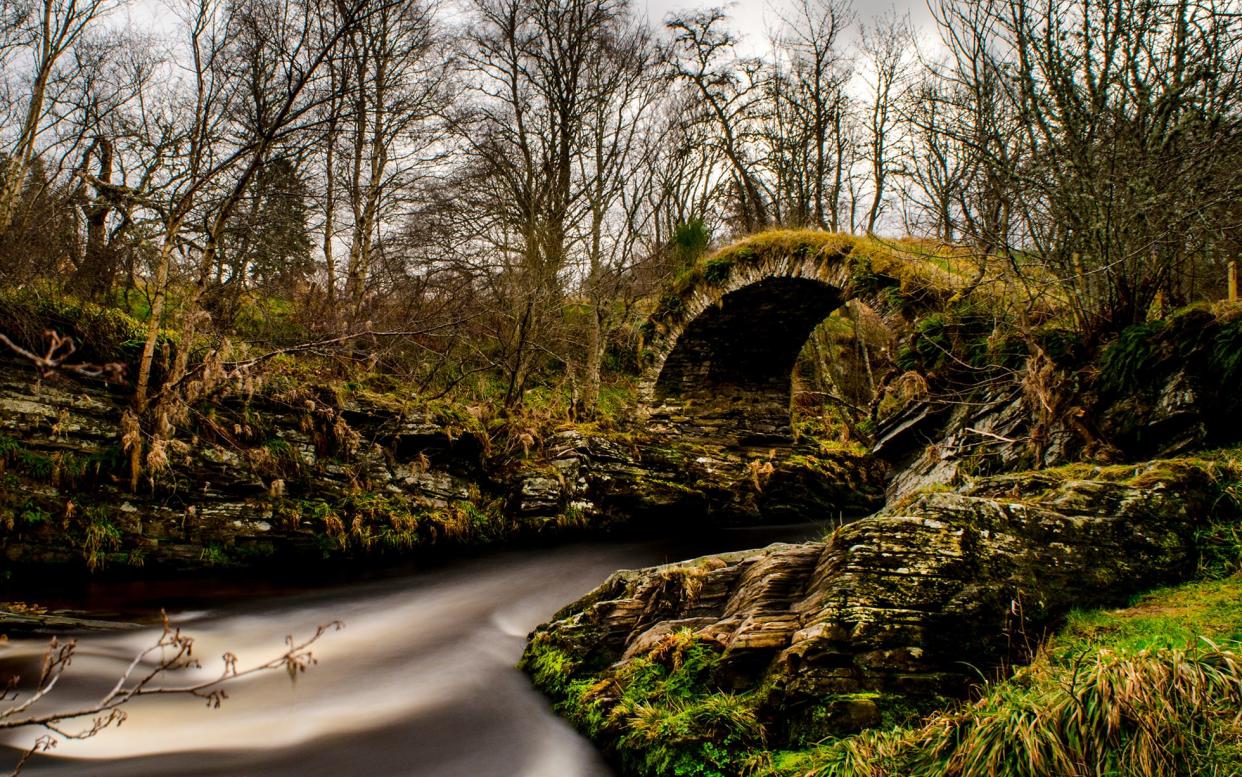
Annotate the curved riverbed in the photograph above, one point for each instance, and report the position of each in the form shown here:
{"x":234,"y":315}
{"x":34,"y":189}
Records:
{"x":421,"y":681}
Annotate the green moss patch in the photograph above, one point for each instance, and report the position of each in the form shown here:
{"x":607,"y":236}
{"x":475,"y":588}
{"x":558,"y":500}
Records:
{"x":665,"y":713}
{"x":1172,"y":618}
{"x":100,"y":334}
{"x":907,"y":269}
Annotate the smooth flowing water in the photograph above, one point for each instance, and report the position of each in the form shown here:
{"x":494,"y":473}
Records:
{"x":421,"y":681}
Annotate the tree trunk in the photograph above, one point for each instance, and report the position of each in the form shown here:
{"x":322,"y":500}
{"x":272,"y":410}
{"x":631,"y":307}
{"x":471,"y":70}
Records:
{"x":18,"y":163}
{"x":594,"y":363}
{"x":153,"y":323}
{"x":329,"y":226}
{"x":93,"y":278}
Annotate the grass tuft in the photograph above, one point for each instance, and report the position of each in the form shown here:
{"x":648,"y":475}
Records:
{"x":1152,"y":690}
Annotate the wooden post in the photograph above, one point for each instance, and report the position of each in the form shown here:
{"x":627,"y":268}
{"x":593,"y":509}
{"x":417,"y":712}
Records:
{"x":1233,"y":280}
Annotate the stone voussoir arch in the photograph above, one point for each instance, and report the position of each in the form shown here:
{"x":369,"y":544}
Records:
{"x":719,"y":351}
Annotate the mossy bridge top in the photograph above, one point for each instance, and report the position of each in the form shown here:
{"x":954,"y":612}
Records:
{"x":720,"y":349}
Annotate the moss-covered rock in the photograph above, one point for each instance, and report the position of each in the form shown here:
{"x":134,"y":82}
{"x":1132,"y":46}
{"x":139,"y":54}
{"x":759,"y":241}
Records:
{"x":875,"y":624}
{"x":303,"y":472}
{"x":1169,"y":386}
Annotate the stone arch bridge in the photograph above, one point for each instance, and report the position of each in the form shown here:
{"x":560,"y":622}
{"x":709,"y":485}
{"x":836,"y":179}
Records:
{"x":720,"y":349}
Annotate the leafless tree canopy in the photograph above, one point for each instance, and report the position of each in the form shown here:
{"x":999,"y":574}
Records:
{"x":515,"y":177}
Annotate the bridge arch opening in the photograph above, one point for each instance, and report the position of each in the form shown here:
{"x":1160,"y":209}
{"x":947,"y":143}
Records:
{"x":730,"y":370}
{"x":841,"y":368}
{"x":721,"y":348}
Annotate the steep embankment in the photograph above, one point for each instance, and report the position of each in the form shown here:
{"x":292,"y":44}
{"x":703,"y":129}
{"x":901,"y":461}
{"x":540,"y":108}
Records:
{"x":1151,"y":690}
{"x":298,"y":472}
{"x":706,"y":666}
{"x":997,"y":400}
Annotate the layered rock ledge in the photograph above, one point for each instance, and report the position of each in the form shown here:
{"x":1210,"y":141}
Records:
{"x":303,"y":475}
{"x":888,"y":613}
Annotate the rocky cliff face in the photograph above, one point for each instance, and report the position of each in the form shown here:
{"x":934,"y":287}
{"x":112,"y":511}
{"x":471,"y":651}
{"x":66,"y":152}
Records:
{"x":933,"y":442}
{"x":302,"y":476}
{"x":1161,"y":389}
{"x":889,"y":612}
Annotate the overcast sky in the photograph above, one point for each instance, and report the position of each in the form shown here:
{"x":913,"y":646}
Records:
{"x":753,"y":18}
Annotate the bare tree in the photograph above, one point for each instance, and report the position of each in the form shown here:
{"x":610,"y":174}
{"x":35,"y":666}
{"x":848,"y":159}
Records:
{"x":395,"y":75}
{"x":225,"y":139}
{"x":684,"y":169}
{"x":983,"y":123}
{"x":47,"y":31}
{"x":1116,"y":144}
{"x":101,"y":113}
{"x":613,"y":165}
{"x":934,"y":161}
{"x":810,"y":106}
{"x":884,"y":46}
{"x":524,"y":130}
{"x":728,"y":87}
{"x":323,"y":148}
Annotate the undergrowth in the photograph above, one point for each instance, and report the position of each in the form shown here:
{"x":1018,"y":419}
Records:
{"x":664,"y":712}
{"x":1151,"y":690}
{"x":1196,"y":338}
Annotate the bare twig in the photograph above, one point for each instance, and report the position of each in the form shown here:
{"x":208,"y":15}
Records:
{"x":992,"y":435}
{"x":173,"y":651}
{"x":58,"y":352}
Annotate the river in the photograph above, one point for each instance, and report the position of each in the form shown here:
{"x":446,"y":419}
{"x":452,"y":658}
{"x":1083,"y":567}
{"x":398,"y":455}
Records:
{"x":421,"y":681}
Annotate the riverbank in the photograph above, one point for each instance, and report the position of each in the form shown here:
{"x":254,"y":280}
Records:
{"x":297,"y":476}
{"x":858,"y":654}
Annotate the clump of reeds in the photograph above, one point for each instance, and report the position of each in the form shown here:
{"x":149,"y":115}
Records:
{"x":1153,"y":713}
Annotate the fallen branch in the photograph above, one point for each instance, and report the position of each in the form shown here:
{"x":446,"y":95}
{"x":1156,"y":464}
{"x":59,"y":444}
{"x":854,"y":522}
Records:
{"x":247,"y":363}
{"x":834,"y":398}
{"x":992,"y":435}
{"x":234,"y":369}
